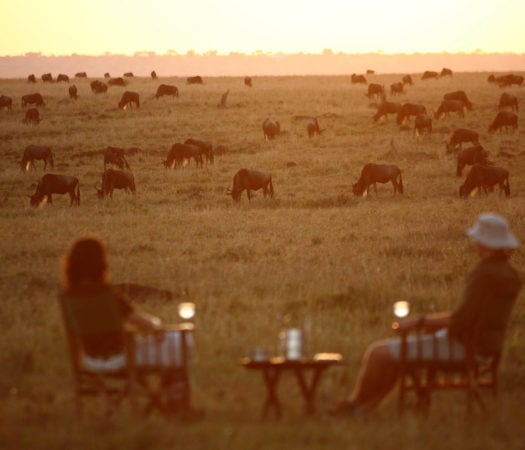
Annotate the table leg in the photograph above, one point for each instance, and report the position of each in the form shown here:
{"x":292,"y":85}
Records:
{"x":271,"y":379}
{"x":308,"y":390}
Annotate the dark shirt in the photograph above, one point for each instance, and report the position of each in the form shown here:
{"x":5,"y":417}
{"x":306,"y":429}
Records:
{"x":98,"y":318}
{"x":483,"y":315}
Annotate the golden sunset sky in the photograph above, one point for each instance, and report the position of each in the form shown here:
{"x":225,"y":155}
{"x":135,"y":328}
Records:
{"x":93,"y":27}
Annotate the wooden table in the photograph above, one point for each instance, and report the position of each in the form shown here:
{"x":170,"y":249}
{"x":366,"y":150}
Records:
{"x":274,"y":367}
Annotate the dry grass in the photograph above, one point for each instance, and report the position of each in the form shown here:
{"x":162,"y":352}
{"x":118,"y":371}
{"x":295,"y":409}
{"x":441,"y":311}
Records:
{"x":315,"y":252}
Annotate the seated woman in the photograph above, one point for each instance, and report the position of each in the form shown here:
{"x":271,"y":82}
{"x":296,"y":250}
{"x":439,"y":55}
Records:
{"x":492,"y":288}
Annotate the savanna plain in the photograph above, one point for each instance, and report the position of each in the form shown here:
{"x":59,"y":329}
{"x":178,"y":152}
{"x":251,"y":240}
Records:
{"x":314,"y":256}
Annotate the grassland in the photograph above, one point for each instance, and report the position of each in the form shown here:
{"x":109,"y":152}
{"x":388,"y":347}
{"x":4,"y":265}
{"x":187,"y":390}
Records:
{"x":314,"y":253}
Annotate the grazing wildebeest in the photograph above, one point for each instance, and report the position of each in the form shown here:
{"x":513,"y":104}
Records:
{"x":271,"y":129}
{"x":448,"y":106}
{"x":422,"y":123}
{"x":81,"y":75}
{"x":358,"y":79}
{"x":485,"y":177}
{"x":460,"y":135}
{"x":51,"y":183}
{"x":386,"y":108}
{"x":504,"y":119}
{"x":128,"y":98}
{"x":407,"y":79}
{"x":458,"y":95}
{"x":33,"y":99}
{"x":115,"y":179}
{"x":73,"y":92}
{"x":508,"y":100}
{"x":36,"y":152}
{"x":248,"y":81}
{"x":312,"y":127}
{"x":378,"y":173}
{"x":32,"y":116}
{"x":180,"y":152}
{"x":167,"y":89}
{"x":429,"y":74}
{"x":470,"y":156}
{"x":31,"y":78}
{"x":98,"y":87}
{"x":508,"y":80}
{"x":206,"y":147}
{"x":47,"y":78}
{"x":129,"y":75}
{"x":409,"y":109}
{"x":153,"y":75}
{"x":250,"y":180}
{"x":397,"y":88}
{"x":445,"y":72}
{"x":116,"y":156}
{"x":194,"y":80}
{"x":62,"y":77}
{"x":375,"y":90}
{"x":119,"y":81}
{"x":6,"y":102}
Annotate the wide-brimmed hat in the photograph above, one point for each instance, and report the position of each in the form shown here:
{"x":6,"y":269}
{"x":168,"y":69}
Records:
{"x":492,"y":231}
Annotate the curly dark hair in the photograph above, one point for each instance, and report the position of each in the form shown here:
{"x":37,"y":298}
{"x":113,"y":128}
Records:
{"x":85,"y":263}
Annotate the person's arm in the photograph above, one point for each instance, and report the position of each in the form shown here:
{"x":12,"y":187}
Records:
{"x":432,"y":321}
{"x":143,"y":321}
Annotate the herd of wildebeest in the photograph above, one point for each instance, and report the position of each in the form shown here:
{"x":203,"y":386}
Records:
{"x":482,"y":175}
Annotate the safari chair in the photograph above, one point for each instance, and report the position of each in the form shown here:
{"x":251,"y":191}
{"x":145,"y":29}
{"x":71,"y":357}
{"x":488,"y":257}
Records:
{"x":424,"y":376}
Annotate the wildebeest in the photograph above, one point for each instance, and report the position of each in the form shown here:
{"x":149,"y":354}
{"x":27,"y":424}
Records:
{"x":504,"y":119}
{"x":115,"y":179}
{"x":429,"y":74}
{"x":312,"y":127}
{"x":33,"y":99}
{"x":31,"y":78}
{"x":73,"y":92}
{"x":129,"y":75}
{"x":250,"y":180}
{"x":448,"y":106}
{"x":378,"y":173}
{"x":51,"y":183}
{"x":32,"y":116}
{"x":422,"y":123}
{"x":397,"y":88}
{"x":386,"y":108}
{"x":81,"y":75}
{"x":62,"y":77}
{"x":206,"y":147}
{"x":180,"y":152}
{"x":508,"y":80}
{"x":485,"y":177}
{"x":153,"y":75}
{"x":36,"y":152}
{"x":6,"y":102}
{"x":116,"y":156}
{"x":107,"y":75}
{"x":470,"y":156}
{"x":128,"y":98}
{"x":358,"y":79}
{"x":407,"y":79}
{"x":248,"y":81}
{"x":375,"y":90}
{"x":460,"y":135}
{"x":508,"y":100}
{"x":98,"y":87}
{"x":409,"y":109}
{"x":167,"y":89}
{"x":47,"y":78}
{"x":119,"y":81}
{"x":458,"y":95}
{"x":194,"y":80}
{"x":445,"y":72}
{"x":270,"y":129}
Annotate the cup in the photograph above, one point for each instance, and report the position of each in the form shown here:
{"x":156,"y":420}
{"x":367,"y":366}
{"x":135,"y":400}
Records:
{"x":292,"y":344}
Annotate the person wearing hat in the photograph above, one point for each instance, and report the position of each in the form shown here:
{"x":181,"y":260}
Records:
{"x":487,"y":301}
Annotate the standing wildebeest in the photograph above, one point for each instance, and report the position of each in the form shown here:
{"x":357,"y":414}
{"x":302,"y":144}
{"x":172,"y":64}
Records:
{"x":116,"y":156}
{"x":47,"y":78}
{"x":31,"y":78}
{"x":119,"y":81}
{"x":507,"y":80}
{"x":407,"y":79}
{"x":250,"y":180}
{"x":33,"y":99}
{"x":248,"y":81}
{"x":409,"y":109}
{"x":73,"y":92}
{"x":81,"y":75}
{"x":378,"y":173}
{"x":32,"y":116}
{"x":98,"y":87}
{"x":485,"y":177}
{"x":129,"y":75}
{"x":445,"y":72}
{"x":107,"y":75}
{"x":115,"y":179}
{"x":448,"y":106}
{"x":194,"y":80}
{"x":459,"y":95}
{"x":422,"y":123}
{"x":180,"y":152}
{"x":6,"y":102}
{"x":386,"y":108}
{"x":470,"y":156}
{"x":508,"y":100}
{"x":271,"y":129}
{"x":397,"y":88}
{"x":358,"y":79}
{"x":62,"y":77}
{"x":504,"y":119}
{"x":56,"y":184}
{"x":153,"y":75}
{"x":312,"y":127}
{"x":460,"y":135}
{"x":429,"y":74}
{"x":206,"y":147}
{"x":167,"y":89}
{"x":34,"y":152}
{"x":375,"y":90}
{"x":129,"y":97}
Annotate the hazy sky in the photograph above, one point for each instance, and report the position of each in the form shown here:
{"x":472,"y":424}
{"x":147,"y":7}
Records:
{"x":63,"y":27}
